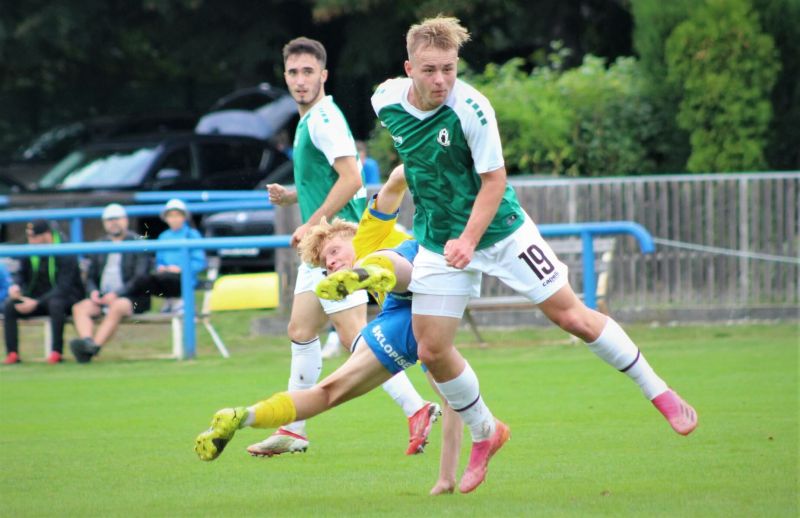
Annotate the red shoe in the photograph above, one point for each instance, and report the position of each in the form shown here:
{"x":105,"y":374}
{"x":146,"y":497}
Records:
{"x":479,"y":457}
{"x":12,"y":358}
{"x":681,"y":416}
{"x":54,"y":357}
{"x":419,"y":426}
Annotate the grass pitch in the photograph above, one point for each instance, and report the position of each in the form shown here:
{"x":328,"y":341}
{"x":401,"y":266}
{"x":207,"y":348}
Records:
{"x":115,"y":438}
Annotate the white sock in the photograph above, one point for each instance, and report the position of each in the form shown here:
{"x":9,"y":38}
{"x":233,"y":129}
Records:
{"x":616,"y":348}
{"x":251,"y":417}
{"x":333,"y":340}
{"x":400,"y":389}
{"x":463,"y":395}
{"x":305,"y":371}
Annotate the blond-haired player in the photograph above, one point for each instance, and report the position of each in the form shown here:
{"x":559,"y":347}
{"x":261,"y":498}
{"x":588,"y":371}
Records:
{"x":468,"y":222}
{"x":383,"y":258}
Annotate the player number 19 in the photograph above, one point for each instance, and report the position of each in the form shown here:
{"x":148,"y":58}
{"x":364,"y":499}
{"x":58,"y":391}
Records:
{"x":535,"y":259}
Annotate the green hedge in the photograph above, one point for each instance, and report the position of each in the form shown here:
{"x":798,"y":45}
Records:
{"x":589,"y":121}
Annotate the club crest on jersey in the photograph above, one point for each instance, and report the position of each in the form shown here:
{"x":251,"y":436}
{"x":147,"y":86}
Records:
{"x":444,"y":137}
{"x":398,"y":141}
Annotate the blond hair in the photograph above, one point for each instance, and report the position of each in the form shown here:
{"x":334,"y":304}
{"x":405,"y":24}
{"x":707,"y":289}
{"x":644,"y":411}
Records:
{"x":442,"y":32}
{"x":317,"y":236}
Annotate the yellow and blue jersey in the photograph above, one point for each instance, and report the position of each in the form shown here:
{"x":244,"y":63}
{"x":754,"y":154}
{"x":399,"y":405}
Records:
{"x":377,"y":231}
{"x":389,"y":335}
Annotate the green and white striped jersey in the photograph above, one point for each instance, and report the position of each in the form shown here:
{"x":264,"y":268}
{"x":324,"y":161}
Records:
{"x":444,"y":152}
{"x":322,"y":136}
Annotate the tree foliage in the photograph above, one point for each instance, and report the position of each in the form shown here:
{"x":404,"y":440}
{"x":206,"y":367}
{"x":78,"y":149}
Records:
{"x":726,"y":67}
{"x":593,"y":120}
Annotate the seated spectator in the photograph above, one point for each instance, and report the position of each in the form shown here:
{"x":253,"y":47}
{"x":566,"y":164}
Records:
{"x":5,"y":281}
{"x":114,"y":287}
{"x":166,"y":281}
{"x":47,"y":285}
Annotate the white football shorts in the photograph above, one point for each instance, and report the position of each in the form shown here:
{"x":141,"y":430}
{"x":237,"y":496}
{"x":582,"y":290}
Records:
{"x":523,"y":261}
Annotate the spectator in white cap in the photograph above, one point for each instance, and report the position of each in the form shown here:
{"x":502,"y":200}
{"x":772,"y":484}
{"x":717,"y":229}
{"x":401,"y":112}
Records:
{"x":166,"y":282}
{"x":115,"y":286}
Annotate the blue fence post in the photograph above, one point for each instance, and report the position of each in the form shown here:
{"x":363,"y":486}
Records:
{"x":589,"y":280}
{"x":187,"y":293}
{"x":76,"y":230}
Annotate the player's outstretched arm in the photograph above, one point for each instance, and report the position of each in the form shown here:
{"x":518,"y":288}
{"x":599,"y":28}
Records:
{"x":391,"y":194}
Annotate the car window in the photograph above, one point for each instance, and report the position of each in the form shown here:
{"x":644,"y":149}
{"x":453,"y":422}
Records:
{"x":216,"y":158}
{"x":55,"y":143}
{"x":180,"y":161}
{"x":95,"y":168}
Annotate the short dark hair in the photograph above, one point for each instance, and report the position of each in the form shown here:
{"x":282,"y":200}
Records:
{"x":303,"y":45}
{"x":38,"y":227}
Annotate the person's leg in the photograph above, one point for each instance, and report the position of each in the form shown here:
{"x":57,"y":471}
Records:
{"x":609,"y":342}
{"x":361,"y":373}
{"x":348,"y":322}
{"x":402,"y":391}
{"x":440,"y":297}
{"x":57,"y":308}
{"x":11,"y":331}
{"x":380,"y":272}
{"x":306,"y":319}
{"x":526,"y":262}
{"x":461,"y":391}
{"x":166,"y":285}
{"x":452,"y":433}
{"x":83,"y":348}
{"x":399,"y":387}
{"x":169,"y":284}
{"x":117,"y":310}
{"x":305,"y":322}
{"x":82,"y":314}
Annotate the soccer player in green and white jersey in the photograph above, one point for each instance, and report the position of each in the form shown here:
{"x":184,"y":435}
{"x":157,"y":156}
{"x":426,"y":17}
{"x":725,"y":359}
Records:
{"x":468,"y":222}
{"x":328,"y":183}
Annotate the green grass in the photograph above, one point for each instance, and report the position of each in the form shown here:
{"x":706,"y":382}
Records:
{"x":115,"y":438}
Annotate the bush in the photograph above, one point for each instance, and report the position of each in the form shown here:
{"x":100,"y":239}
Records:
{"x":589,"y":121}
{"x":613,"y":118}
{"x":535,"y":123}
{"x":726,"y":67}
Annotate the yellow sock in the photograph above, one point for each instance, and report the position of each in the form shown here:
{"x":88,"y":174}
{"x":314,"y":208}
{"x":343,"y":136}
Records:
{"x":276,"y":411}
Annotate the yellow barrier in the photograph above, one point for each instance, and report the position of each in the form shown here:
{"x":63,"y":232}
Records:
{"x":245,"y":291}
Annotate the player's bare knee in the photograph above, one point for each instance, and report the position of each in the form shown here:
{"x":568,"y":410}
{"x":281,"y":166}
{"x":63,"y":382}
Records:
{"x":300,"y":333}
{"x":431,"y":355}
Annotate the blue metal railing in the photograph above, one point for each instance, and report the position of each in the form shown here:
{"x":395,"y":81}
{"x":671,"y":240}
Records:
{"x":164,"y":196}
{"x":78,"y":214}
{"x":149,"y":245}
{"x":586,"y":231}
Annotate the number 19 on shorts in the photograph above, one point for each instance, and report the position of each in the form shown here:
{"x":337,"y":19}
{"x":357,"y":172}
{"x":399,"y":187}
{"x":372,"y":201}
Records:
{"x":538,"y":262}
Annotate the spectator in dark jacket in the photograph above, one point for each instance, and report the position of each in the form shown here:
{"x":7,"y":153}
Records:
{"x":47,"y":285}
{"x":112,"y":286}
